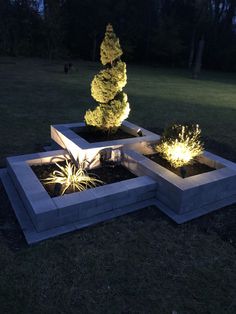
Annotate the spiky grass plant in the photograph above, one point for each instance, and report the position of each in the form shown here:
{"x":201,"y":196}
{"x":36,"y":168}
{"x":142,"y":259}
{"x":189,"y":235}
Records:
{"x":180,"y":144}
{"x":70,"y":176}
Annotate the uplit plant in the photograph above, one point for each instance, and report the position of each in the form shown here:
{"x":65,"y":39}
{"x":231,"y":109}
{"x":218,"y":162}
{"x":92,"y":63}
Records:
{"x":180,"y":144}
{"x":70,"y":176}
{"x":107,"y":85}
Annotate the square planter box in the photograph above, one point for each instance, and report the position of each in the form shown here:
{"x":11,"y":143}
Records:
{"x":186,"y":198}
{"x":78,"y":208}
{"x":66,"y":138}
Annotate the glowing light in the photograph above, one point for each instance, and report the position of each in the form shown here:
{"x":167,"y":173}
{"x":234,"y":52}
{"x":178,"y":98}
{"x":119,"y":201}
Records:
{"x":181,"y":145}
{"x":139,"y":132}
{"x":69,"y":176}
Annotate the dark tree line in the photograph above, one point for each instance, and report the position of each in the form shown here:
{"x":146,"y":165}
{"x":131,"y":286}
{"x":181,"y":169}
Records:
{"x":171,"y":32}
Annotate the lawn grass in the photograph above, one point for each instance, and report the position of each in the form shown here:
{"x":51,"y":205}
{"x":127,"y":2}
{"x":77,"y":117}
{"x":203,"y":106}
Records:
{"x":139,"y":263}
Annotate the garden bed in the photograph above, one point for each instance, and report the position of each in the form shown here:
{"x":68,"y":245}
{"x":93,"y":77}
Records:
{"x":79,"y":142}
{"x":190,"y":170}
{"x":152,"y":184}
{"x":183,"y":199}
{"x":131,"y":191}
{"x":107,"y":174}
{"x":93,"y":135}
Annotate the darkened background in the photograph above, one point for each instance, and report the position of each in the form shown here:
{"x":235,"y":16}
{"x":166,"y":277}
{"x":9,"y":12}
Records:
{"x":168,"y":32}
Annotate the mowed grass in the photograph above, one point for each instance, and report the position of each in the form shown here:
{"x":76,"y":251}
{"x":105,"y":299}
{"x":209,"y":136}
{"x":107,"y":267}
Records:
{"x":35,"y":94}
{"x":139,"y":263}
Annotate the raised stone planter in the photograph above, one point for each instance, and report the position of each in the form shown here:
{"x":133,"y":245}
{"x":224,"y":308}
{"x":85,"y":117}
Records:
{"x":42,"y":217}
{"x":188,"y":198}
{"x":65,"y":137}
{"x":79,"y":208}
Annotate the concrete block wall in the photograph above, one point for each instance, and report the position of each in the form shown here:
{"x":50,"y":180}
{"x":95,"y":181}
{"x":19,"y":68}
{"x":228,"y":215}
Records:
{"x":47,"y":212}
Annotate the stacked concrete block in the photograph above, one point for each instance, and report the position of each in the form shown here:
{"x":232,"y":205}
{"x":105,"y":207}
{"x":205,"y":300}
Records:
{"x":47,"y":212}
{"x":64,"y":136}
{"x":182,"y":199}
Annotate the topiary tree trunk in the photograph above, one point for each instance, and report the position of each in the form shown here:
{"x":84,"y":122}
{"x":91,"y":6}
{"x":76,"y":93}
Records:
{"x":107,"y":85}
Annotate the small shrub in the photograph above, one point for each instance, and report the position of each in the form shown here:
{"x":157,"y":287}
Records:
{"x":69,"y":176}
{"x":180,"y":144}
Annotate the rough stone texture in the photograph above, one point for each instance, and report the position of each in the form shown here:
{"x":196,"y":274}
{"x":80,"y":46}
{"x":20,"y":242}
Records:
{"x":197,"y":193}
{"x":38,"y":203}
{"x":42,"y":217}
{"x":77,"y":146}
{"x":46,"y":212}
{"x":32,"y":235}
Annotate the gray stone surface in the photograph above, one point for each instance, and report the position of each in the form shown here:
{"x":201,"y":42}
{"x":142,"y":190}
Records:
{"x":32,"y":235}
{"x":77,"y":146}
{"x":194,"y":193}
{"x":46,"y":212}
{"x":42,"y":217}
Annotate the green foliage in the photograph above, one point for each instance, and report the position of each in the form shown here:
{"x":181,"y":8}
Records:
{"x":110,"y":49}
{"x":107,"y":83}
{"x":109,"y":116}
{"x":106,"y":88}
{"x":69,"y":176}
{"x":180,"y":144}
{"x":95,"y":117}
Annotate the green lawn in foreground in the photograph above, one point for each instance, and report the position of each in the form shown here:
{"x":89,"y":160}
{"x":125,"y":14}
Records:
{"x":139,"y":263}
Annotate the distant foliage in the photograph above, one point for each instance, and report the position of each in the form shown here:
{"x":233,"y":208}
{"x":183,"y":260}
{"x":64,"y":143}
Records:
{"x":107,"y":85}
{"x":180,"y":144}
{"x":170,"y":32}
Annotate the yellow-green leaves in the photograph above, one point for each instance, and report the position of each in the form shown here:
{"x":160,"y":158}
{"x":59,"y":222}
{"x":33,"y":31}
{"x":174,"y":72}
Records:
{"x":107,"y":83}
{"x":180,"y":144}
{"x":109,"y":116}
{"x":69,"y":176}
{"x":110,"y":49}
{"x":106,"y":87}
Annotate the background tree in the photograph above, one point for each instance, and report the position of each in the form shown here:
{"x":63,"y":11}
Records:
{"x":170,"y":32}
{"x":54,"y":28}
{"x":20,"y":28}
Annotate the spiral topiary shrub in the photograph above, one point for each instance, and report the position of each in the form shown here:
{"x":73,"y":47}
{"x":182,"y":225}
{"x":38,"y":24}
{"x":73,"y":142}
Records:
{"x":107,"y":85}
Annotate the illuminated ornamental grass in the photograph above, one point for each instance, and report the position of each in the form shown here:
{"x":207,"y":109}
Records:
{"x":180,"y":144}
{"x":69,"y":176}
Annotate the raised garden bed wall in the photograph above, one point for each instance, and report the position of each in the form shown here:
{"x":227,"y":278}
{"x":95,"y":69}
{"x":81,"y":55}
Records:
{"x":182,"y":199}
{"x":186,"y":198}
{"x":79,"y":207}
{"x":66,"y":137}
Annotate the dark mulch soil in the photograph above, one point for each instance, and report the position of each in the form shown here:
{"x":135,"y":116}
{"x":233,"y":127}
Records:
{"x":112,"y":173}
{"x":187,"y":171}
{"x":108,"y":174}
{"x":91,"y":136}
